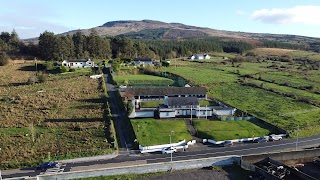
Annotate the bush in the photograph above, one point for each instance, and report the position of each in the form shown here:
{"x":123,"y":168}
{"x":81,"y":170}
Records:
{"x":32,"y":80}
{"x":42,"y":78}
{"x":72,"y":70}
{"x":4,"y":59}
{"x":63,"y":69}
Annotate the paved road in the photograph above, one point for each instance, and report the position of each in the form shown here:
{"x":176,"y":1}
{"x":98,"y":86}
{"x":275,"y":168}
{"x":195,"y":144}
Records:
{"x":195,"y":153}
{"x":119,"y":115}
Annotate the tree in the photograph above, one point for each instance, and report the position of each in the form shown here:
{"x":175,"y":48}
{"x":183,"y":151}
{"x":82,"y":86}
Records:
{"x":46,"y":45}
{"x":4,"y":59}
{"x":79,"y":41}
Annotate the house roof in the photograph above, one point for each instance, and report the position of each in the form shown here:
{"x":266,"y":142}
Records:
{"x":182,"y":101}
{"x":166,"y":91}
{"x":142,"y":59}
{"x":77,"y":60}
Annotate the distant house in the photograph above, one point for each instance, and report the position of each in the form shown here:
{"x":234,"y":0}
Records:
{"x":142,"y":61}
{"x":78,"y":63}
{"x":191,"y":57}
{"x":201,"y":56}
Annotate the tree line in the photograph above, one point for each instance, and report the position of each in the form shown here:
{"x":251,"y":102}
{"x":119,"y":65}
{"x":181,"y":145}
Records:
{"x":79,"y":46}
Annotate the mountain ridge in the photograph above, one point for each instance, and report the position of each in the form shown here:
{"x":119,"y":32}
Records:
{"x":146,"y":29}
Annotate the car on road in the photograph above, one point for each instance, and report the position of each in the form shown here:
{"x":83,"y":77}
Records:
{"x":47,"y":165}
{"x":274,"y":137}
{"x":169,"y":150}
{"x":260,"y":140}
{"x":226,"y":143}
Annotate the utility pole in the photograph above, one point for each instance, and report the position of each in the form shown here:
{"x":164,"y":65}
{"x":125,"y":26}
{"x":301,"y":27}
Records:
{"x":171,"y":145}
{"x":297,"y":138}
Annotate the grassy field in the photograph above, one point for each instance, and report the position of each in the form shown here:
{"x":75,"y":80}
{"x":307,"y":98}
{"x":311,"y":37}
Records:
{"x":61,"y":118}
{"x":151,"y":104}
{"x":227,"y":82}
{"x":227,"y":130}
{"x":153,"y":132}
{"x":132,"y":80}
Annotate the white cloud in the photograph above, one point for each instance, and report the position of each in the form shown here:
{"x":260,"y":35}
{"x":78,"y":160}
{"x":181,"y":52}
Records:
{"x":296,"y":15}
{"x":29,"y":27}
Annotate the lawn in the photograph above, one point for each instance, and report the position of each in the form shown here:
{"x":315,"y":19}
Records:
{"x":60,"y":118}
{"x":227,"y":130}
{"x":150,"y":104}
{"x":153,"y":132}
{"x":208,"y":103}
{"x":142,"y":79}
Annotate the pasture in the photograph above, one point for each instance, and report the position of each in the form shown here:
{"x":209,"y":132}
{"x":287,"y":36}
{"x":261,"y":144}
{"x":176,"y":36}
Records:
{"x":60,"y":118}
{"x":142,"y":79}
{"x":285,"y":94}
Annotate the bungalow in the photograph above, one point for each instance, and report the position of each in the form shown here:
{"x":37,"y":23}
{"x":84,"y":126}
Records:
{"x":142,"y":61}
{"x":156,"y":94}
{"x":177,"y":101}
{"x":199,"y":56}
{"x":78,"y":63}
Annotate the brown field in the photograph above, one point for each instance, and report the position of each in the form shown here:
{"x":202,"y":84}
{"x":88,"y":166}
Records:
{"x":52,"y":120}
{"x":273,"y":51}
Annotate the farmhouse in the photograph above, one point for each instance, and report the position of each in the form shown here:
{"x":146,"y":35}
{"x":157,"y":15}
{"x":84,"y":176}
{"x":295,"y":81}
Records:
{"x":142,"y":61}
{"x":177,"y":101}
{"x":199,"y":56}
{"x":78,"y":63}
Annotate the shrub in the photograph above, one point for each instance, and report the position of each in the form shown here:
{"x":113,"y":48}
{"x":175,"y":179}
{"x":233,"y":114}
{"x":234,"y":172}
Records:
{"x":42,"y":78}
{"x":4,"y":59}
{"x":32,"y":80}
{"x":72,"y":70}
{"x":63,"y":69}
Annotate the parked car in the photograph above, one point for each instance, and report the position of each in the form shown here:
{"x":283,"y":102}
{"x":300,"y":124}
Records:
{"x":273,"y":137}
{"x":47,"y":165}
{"x":123,"y":86}
{"x":260,"y":140}
{"x":226,"y":143}
{"x":169,"y":150}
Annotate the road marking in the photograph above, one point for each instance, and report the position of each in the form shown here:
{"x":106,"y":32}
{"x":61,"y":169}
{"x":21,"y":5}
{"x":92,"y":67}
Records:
{"x":211,"y":153}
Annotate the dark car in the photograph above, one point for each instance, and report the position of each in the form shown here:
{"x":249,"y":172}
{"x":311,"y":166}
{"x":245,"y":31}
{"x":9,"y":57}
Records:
{"x":260,"y":140}
{"x":226,"y":143}
{"x":48,"y":165}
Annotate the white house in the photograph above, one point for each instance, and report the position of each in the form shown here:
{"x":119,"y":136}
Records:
{"x":199,"y":56}
{"x":202,"y":56}
{"x":78,"y":63}
{"x":142,"y":61}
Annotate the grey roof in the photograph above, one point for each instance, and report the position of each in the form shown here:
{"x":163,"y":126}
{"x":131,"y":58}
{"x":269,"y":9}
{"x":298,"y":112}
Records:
{"x":182,"y":101}
{"x":162,"y":91}
{"x":77,"y":60}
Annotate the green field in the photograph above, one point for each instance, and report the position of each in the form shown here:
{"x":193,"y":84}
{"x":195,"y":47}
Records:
{"x":227,"y":130}
{"x":153,"y":132}
{"x":150,"y":104}
{"x":142,"y":79}
{"x":286,"y":96}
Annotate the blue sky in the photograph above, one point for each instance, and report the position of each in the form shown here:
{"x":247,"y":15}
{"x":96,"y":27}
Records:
{"x":31,"y":17}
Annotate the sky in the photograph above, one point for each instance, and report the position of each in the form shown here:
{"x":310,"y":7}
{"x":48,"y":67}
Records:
{"x":29,"y":18}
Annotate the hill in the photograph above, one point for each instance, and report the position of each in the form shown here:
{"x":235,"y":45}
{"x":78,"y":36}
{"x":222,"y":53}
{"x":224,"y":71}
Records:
{"x":150,"y":29}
